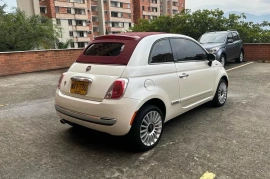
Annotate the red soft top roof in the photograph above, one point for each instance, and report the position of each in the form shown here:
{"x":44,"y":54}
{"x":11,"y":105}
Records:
{"x":129,"y":39}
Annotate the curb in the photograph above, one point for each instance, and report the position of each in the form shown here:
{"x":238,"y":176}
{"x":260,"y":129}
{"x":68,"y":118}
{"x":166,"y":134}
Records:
{"x":264,"y":61}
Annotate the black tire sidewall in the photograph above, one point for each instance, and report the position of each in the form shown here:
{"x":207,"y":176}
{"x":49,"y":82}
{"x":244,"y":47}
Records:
{"x":134,"y":133}
{"x":215,"y":100}
{"x":224,"y":59}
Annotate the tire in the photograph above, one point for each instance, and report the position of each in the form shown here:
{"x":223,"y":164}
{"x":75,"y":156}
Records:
{"x":147,"y":128}
{"x":240,"y":59}
{"x":221,"y":94}
{"x":223,"y":60}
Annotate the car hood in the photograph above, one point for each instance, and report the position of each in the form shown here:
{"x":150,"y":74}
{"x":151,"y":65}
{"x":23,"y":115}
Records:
{"x":208,"y":46}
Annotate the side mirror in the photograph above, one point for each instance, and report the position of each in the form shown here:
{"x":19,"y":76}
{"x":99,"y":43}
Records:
{"x":230,"y":40}
{"x":211,"y":58}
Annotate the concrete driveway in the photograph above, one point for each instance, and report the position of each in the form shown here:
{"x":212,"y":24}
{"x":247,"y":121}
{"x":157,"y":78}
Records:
{"x":230,"y":142}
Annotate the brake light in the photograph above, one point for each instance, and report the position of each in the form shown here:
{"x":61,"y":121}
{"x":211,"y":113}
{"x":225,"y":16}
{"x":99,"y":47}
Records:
{"x":60,"y":80}
{"x":117,"y":89}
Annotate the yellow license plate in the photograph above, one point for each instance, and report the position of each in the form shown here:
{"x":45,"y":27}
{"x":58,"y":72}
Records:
{"x":79,"y":87}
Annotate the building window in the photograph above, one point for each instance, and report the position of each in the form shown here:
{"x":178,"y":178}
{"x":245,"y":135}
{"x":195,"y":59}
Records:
{"x":116,"y":14}
{"x":69,"y":22}
{"x":43,"y":10}
{"x":79,"y":22}
{"x":128,"y":6}
{"x":58,"y":21}
{"x":129,"y":15}
{"x":70,"y":33}
{"x":69,"y":10}
{"x":143,"y":8}
{"x":79,"y":1}
{"x":81,"y":34}
{"x":81,"y":44}
{"x":79,"y":11}
{"x":56,"y":9}
{"x":129,"y":24}
{"x":148,"y":8}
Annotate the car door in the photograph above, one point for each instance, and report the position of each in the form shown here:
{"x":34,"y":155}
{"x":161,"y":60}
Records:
{"x":230,"y":47}
{"x":196,"y":77}
{"x":237,"y":45}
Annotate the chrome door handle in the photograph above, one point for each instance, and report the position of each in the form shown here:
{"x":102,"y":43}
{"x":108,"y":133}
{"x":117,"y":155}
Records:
{"x":184,"y":75}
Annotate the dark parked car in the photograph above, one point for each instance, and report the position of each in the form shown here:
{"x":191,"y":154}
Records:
{"x":226,"y":45}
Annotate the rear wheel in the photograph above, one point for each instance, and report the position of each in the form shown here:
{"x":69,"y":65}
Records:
{"x":147,"y":128}
{"x":221,"y":94}
{"x":240,"y":59}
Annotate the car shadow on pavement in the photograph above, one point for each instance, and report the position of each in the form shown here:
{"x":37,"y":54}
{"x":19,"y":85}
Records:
{"x":105,"y":143}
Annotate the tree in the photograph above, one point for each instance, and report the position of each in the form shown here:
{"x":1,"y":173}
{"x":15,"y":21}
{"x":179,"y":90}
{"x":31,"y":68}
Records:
{"x":20,"y":32}
{"x":64,"y":45}
{"x":197,"y":23}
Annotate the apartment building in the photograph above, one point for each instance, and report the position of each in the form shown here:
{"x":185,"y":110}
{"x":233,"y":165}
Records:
{"x":151,"y":9}
{"x":82,"y":20}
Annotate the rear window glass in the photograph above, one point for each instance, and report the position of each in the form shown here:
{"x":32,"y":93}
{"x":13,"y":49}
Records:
{"x":104,"y":49}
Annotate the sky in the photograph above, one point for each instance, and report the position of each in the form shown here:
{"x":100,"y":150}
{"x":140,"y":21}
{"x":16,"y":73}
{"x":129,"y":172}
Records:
{"x":257,"y":7}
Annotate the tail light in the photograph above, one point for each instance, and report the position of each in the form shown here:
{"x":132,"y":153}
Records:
{"x":117,"y":89}
{"x":60,"y":80}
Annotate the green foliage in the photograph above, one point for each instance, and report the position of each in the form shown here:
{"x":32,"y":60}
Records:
{"x":20,"y":32}
{"x":194,"y":24}
{"x":64,"y":45}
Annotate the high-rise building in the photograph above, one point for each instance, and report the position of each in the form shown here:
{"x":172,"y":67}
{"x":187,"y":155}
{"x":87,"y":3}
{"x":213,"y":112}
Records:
{"x":82,"y":20}
{"x":151,"y":9}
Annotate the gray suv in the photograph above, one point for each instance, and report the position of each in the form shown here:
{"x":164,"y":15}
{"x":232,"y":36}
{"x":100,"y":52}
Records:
{"x":226,"y":45}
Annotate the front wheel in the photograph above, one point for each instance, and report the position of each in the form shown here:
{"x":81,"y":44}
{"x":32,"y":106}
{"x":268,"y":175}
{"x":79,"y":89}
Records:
{"x":221,"y":94}
{"x":223,"y":60}
{"x":147,"y":128}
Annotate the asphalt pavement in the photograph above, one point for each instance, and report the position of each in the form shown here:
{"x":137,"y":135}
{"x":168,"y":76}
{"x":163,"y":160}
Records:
{"x":231,"y":142}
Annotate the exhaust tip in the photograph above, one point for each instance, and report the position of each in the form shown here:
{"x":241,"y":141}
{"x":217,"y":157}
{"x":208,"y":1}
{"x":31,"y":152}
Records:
{"x":63,"y":121}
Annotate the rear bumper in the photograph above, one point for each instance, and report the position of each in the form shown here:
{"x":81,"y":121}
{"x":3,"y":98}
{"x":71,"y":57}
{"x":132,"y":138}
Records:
{"x":86,"y":117}
{"x":109,"y":116}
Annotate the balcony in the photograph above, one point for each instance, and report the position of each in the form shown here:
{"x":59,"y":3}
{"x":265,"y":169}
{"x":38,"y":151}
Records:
{"x":81,"y":16}
{"x":82,"y":39}
{"x":63,"y":4}
{"x":119,"y":9}
{"x":120,"y":19}
{"x":94,"y":3}
{"x":154,"y":4}
{"x":95,"y":23}
{"x":149,"y":13}
{"x":175,"y":7}
{"x":124,"y":1}
{"x":94,"y":13}
{"x":116,"y":29}
{"x":79,"y":5}
{"x":64,"y":16}
{"x":80,"y":28}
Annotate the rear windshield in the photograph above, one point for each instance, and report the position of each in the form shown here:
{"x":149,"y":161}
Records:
{"x":104,"y":49}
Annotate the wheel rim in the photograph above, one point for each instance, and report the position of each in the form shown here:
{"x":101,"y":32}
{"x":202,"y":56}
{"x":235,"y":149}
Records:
{"x":241,"y":57}
{"x":222,"y":60}
{"x":151,"y":128}
{"x":222,"y":93}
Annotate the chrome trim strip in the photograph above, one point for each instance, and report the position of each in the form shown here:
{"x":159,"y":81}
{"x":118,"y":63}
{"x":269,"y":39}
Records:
{"x":175,"y":102}
{"x":80,"y":78}
{"x":85,"y":117}
{"x":196,"y":95}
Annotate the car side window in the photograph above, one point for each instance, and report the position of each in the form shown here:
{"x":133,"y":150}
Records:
{"x":235,"y":36}
{"x":187,"y":50}
{"x":161,"y":52}
{"x":230,"y":36}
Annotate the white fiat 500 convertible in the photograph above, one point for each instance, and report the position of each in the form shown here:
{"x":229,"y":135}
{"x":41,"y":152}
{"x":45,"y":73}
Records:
{"x":132,"y":83}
